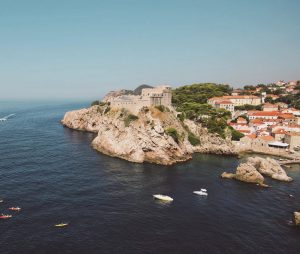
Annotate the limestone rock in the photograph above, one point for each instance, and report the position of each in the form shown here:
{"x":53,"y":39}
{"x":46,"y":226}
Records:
{"x":144,"y":137}
{"x":254,"y":168}
{"x":270,"y":167}
{"x":246,"y":172}
{"x":228,"y":175}
{"x":209,"y":142}
{"x":83,"y":119}
{"x":297,"y":218}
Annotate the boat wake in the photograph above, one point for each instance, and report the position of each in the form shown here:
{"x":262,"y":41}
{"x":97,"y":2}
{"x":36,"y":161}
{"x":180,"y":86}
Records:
{"x":5,"y":118}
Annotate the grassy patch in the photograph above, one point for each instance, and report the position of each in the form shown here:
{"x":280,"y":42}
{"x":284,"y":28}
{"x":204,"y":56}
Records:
{"x":193,"y":139}
{"x":130,"y":118}
{"x":173,"y":133}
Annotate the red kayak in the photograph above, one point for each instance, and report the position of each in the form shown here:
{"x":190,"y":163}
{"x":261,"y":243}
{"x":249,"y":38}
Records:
{"x":5,"y":216}
{"x":15,"y":209}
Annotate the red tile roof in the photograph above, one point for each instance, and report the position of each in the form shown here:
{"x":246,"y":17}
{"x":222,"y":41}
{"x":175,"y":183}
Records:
{"x":287,"y":116}
{"x":264,"y":113}
{"x":244,"y":131}
{"x":224,"y":102}
{"x":267,"y":138}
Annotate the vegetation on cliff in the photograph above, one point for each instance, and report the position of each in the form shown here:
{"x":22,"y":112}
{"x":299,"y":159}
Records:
{"x":198,"y":93}
{"x":191,"y":101}
{"x":173,"y":133}
{"x":130,"y":118}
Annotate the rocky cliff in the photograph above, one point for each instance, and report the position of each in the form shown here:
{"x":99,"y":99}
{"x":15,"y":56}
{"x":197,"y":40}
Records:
{"x":254,"y":168}
{"x":151,"y":136}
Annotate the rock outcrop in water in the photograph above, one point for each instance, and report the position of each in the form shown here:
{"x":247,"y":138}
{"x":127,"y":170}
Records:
{"x":254,"y":168}
{"x":269,"y":167}
{"x":151,"y":136}
{"x":297,"y":218}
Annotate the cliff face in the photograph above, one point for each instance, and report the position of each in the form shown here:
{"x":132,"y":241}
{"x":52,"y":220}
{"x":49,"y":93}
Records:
{"x":151,"y":136}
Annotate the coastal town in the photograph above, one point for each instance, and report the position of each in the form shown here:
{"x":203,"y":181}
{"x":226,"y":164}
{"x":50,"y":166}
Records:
{"x":265,"y":119}
{"x":268,"y":126}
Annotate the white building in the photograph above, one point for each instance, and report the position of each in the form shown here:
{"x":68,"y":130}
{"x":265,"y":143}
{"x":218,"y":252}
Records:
{"x":237,"y":100}
{"x":228,"y":105}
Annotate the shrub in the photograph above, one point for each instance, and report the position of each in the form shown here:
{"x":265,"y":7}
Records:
{"x":161,"y":108}
{"x":129,"y":119}
{"x":193,"y":139}
{"x":107,"y":110}
{"x":173,"y":133}
{"x":181,"y":116}
{"x":235,"y":135}
{"x":95,"y":103}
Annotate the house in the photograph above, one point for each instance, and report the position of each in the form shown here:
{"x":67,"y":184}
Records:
{"x":228,"y":105}
{"x":281,"y":105}
{"x":237,"y":100}
{"x":241,"y":120}
{"x":242,"y":127}
{"x":287,"y":118}
{"x":295,"y":112}
{"x":263,"y":114}
{"x":278,"y":135}
{"x":293,"y":139}
{"x":270,"y":107}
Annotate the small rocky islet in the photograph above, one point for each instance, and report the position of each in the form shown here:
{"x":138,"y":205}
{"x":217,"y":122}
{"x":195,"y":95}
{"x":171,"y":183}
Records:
{"x":254,"y":170}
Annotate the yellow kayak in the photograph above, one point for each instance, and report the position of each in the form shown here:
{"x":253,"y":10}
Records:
{"x":61,"y":225}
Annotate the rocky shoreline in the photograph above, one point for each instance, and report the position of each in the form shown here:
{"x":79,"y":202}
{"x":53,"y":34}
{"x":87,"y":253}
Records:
{"x":151,"y":136}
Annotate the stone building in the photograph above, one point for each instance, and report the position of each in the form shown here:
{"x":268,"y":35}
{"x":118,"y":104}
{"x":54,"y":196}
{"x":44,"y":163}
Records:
{"x":161,"y":95}
{"x":237,"y":100}
{"x":293,"y":139}
{"x":228,"y":105}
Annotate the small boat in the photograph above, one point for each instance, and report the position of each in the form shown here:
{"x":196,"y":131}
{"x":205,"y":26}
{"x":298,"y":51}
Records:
{"x":1,"y":200}
{"x":201,"y":193}
{"x":163,"y":197}
{"x":205,"y":190}
{"x":291,"y":196}
{"x":15,"y":209}
{"x":5,"y":216}
{"x":61,"y":225}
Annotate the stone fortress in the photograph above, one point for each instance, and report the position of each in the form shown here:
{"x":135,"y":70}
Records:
{"x":160,"y":95}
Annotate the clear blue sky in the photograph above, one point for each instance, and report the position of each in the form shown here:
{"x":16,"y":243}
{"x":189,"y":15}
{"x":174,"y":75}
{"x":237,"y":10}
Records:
{"x":84,"y":48}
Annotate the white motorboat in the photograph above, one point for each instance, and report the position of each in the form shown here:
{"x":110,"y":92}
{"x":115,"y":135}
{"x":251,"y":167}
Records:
{"x":201,"y":193}
{"x":163,"y":197}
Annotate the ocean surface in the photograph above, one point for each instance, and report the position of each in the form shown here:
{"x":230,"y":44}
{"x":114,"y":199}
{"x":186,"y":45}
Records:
{"x":55,"y":176}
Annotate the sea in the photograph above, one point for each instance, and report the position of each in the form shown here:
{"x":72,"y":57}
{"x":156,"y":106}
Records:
{"x":55,"y":176}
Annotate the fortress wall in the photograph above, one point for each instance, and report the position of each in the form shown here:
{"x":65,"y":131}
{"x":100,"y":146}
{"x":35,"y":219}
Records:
{"x":150,"y":97}
{"x":133,"y":105}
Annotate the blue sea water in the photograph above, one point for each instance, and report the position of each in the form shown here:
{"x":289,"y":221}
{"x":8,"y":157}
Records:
{"x":55,"y":176}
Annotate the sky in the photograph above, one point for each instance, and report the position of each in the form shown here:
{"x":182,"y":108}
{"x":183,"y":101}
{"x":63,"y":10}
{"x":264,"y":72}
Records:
{"x":81,"y":49}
